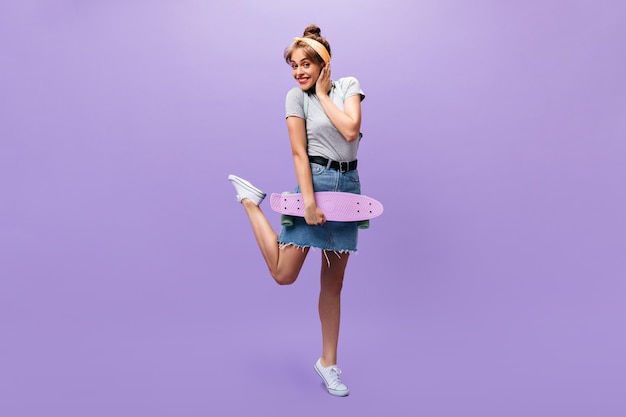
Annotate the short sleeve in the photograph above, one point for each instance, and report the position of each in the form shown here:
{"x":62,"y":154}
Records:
{"x":294,"y":103}
{"x":351,"y":87}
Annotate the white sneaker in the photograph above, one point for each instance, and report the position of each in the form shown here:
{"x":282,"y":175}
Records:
{"x":246,"y":190}
{"x":331,"y":379}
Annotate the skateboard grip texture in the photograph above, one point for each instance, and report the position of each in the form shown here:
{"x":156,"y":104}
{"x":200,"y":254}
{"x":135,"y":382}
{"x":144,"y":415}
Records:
{"x":337,"y":206}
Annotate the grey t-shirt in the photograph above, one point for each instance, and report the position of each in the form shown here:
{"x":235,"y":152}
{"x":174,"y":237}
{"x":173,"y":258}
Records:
{"x":323,"y":139}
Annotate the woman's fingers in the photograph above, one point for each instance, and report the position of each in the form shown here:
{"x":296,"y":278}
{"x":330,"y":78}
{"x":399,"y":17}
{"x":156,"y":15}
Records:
{"x":323,"y":82}
{"x":318,"y":215}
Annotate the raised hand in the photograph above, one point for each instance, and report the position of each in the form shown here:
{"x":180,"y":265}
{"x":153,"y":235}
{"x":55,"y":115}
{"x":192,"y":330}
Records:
{"x":322,"y":87}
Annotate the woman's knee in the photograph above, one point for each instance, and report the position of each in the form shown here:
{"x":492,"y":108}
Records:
{"x":284,"y":279}
{"x":289,"y":265}
{"x":331,"y":284}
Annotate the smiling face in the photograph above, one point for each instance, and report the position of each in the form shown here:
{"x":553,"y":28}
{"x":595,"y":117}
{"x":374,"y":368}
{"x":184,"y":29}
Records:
{"x":304,"y":70}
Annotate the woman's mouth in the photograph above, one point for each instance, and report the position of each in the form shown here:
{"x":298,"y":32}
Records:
{"x":303,"y":80}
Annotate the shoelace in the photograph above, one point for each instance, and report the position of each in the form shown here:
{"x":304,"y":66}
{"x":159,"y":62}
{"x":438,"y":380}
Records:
{"x":335,"y":379}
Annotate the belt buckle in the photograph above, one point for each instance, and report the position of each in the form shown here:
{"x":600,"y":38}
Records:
{"x":341,"y":166}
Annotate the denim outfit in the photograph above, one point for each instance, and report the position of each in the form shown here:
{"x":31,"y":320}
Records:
{"x":324,"y":140}
{"x":333,"y":236}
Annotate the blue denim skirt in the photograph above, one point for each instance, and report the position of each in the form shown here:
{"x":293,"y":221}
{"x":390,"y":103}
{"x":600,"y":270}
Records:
{"x":333,"y":236}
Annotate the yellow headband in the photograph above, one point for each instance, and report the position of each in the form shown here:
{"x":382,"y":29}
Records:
{"x":317,"y":46}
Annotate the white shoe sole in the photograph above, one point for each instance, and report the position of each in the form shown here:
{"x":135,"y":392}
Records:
{"x":246,"y":190}
{"x":337,"y":393}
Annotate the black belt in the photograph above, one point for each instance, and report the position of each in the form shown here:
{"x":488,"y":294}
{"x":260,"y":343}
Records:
{"x":343,"y":166}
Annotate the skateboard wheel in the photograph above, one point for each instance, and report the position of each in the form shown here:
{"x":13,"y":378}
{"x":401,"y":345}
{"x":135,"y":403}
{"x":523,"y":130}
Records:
{"x":363,"y":224}
{"x":286,"y":220}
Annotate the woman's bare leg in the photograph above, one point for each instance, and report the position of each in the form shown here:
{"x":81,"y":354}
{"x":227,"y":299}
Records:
{"x":284,"y":263}
{"x":331,"y":282}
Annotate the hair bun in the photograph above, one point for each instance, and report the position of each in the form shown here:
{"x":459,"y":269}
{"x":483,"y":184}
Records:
{"x":312,"y":30}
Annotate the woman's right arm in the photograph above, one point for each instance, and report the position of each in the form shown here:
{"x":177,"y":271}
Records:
{"x":297,"y":137}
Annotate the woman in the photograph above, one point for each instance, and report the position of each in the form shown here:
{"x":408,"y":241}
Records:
{"x":323,"y":122}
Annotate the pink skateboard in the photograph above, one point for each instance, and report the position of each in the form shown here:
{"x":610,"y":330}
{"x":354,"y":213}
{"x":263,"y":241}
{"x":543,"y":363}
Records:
{"x":337,"y":206}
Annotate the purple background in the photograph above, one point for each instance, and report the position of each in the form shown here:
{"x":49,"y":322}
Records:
{"x":131,"y":284}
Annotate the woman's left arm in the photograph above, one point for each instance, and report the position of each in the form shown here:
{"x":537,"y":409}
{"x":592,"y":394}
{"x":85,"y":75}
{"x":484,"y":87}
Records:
{"x":348,"y":121}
